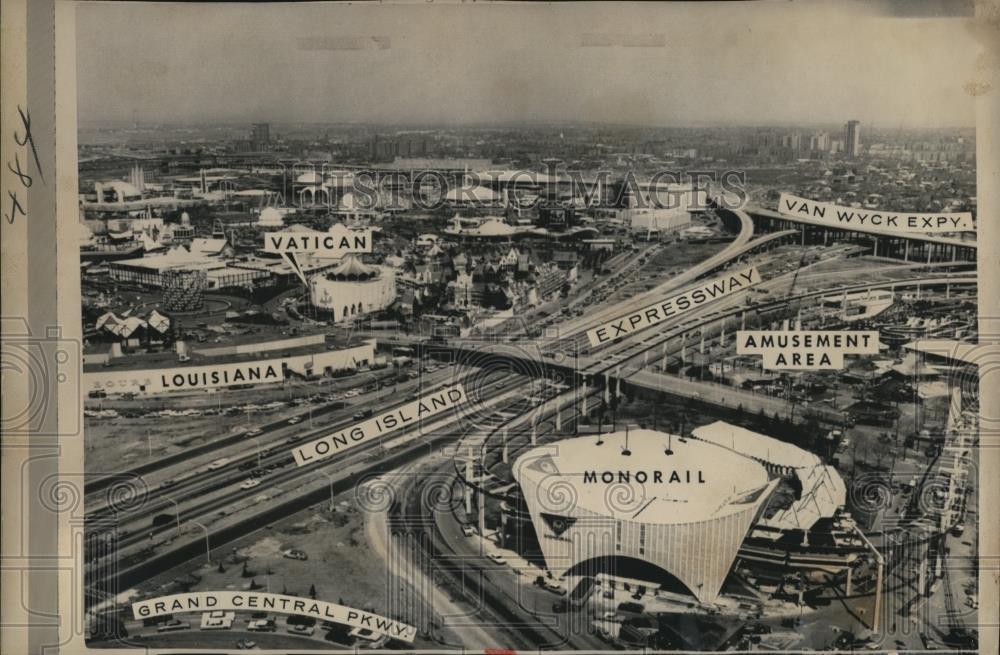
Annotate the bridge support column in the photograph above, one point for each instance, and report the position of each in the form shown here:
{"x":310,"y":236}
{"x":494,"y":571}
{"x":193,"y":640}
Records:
{"x":506,"y":450}
{"x":743,"y":320}
{"x":558,"y":418}
{"x":583,"y":402}
{"x":468,"y":488}
{"x":481,"y":502}
{"x":878,"y":596}
{"x":906,"y":250}
{"x":701,"y":345}
{"x":850,"y":581}
{"x":534,"y":434}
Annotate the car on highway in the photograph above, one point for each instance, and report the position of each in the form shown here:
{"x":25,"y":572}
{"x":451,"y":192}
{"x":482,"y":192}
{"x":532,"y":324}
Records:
{"x":173,"y":625}
{"x":496,"y":559}
{"x":218,"y":464}
{"x":294,"y":420}
{"x":217,"y":620}
{"x":246,"y":644}
{"x":169,"y":482}
{"x":352,"y":393}
{"x":250,"y":484}
{"x":254,"y":432}
{"x":299,"y":629}
{"x":548,"y":585}
{"x":262,"y":625}
{"x":374,"y":639}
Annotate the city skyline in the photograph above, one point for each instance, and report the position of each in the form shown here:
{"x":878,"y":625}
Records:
{"x":484,"y":65}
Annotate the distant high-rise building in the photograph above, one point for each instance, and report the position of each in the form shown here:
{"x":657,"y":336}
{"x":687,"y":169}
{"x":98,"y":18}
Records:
{"x":400,"y":145}
{"x":819,"y":142}
{"x":852,"y":138}
{"x":261,"y":133}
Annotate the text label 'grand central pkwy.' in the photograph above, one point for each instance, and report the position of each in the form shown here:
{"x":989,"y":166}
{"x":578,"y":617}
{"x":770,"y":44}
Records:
{"x":806,"y":349}
{"x":404,"y":416}
{"x":675,"y":305}
{"x":209,"y":601}
{"x":900,"y":222}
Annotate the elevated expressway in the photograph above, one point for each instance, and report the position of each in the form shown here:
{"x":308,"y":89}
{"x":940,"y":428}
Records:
{"x":885,"y":243}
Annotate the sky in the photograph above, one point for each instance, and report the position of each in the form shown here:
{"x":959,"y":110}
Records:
{"x":653,"y":64}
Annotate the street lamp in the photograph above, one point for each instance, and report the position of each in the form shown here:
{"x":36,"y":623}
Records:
{"x":208,"y":548}
{"x":330,"y":478}
{"x":257,"y":441}
{"x":177,"y":512}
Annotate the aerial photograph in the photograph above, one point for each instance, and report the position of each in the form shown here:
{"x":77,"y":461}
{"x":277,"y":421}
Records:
{"x":517,"y":327}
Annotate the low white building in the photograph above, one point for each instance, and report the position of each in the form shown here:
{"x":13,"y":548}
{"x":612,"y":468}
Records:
{"x":353,"y":289}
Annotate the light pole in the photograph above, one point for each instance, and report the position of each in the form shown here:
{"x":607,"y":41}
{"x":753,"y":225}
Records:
{"x":330,"y":478}
{"x":177,"y":512}
{"x":257,"y":441}
{"x":208,"y":548}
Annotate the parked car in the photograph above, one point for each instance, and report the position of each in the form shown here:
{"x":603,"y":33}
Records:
{"x":294,"y":553}
{"x":496,"y":559}
{"x":468,"y":530}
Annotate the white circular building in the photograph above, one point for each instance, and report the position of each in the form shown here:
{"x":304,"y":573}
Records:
{"x":353,"y":288}
{"x":679,"y":508}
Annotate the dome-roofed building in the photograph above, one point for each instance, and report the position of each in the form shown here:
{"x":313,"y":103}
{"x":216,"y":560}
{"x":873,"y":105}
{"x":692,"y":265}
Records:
{"x":490,"y":227}
{"x":353,"y":288}
{"x":478,"y":196}
{"x":271,"y":217}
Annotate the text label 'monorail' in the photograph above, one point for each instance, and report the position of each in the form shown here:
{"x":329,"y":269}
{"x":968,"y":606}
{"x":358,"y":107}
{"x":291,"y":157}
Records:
{"x":875,"y":219}
{"x":208,"y":601}
{"x":404,"y":416}
{"x":674,"y":305}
